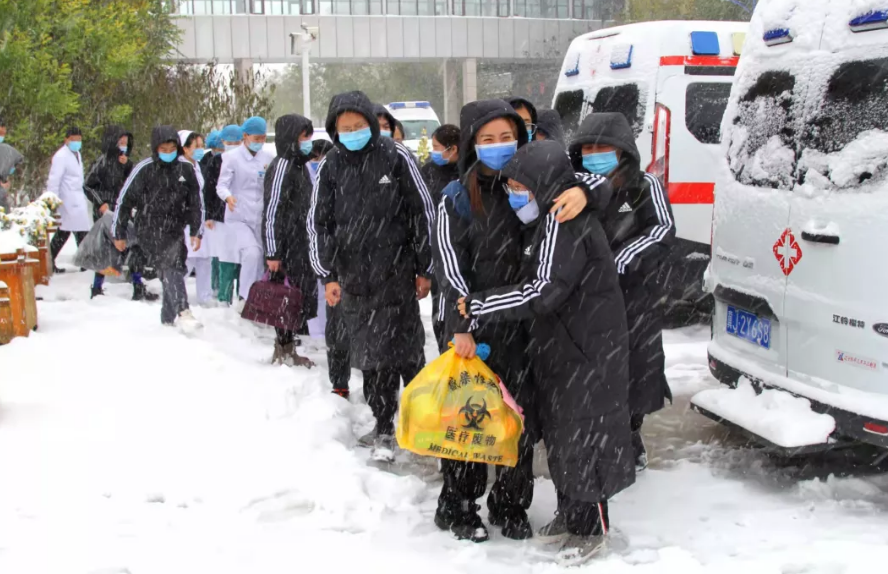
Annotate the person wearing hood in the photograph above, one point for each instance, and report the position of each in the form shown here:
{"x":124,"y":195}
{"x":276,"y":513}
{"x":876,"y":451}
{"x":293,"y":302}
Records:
{"x":241,"y":187}
{"x":569,"y":298}
{"x":230,"y":138}
{"x":549,"y":126}
{"x":165,"y":195}
{"x":439,"y":171}
{"x":386,"y":121}
{"x":199,"y":261}
{"x":478,"y":246}
{"x":319,"y":149}
{"x":528,"y":113}
{"x":103,"y":184}
{"x":641,"y":230}
{"x":398,"y":132}
{"x":287,"y":198}
{"x":370,"y":241}
{"x":66,"y":181}
{"x":10,"y":159}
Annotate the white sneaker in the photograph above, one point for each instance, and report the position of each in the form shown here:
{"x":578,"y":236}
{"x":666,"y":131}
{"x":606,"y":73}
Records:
{"x":187,"y":323}
{"x":239,"y":306}
{"x":383,"y":449}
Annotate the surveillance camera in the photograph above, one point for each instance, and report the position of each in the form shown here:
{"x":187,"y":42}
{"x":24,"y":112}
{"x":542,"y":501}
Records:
{"x":313,"y":30}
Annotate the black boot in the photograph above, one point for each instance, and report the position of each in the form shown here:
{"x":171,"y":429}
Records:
{"x":462,"y":520}
{"x":95,"y":292}
{"x":141,"y":293}
{"x":513,"y":521}
{"x":639,"y":451}
{"x":57,"y":270}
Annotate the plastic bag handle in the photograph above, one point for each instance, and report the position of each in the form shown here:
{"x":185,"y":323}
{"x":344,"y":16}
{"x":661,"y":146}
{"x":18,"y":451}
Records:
{"x":482,"y":350}
{"x":267,"y":277}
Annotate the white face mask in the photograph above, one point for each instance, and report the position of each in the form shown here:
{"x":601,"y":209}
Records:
{"x":529,"y":212}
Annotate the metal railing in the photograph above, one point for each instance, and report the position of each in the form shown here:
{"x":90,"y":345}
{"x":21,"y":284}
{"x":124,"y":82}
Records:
{"x":548,"y":9}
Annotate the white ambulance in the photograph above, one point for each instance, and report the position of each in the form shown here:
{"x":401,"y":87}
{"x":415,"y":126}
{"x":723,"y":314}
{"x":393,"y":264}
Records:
{"x":418,"y":119}
{"x":672,"y":81}
{"x":799,"y":270}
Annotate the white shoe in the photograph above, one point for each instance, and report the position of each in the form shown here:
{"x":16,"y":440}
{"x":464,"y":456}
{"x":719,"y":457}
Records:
{"x":187,"y":323}
{"x":578,"y":550}
{"x":383,"y":449}
{"x":239,"y":306}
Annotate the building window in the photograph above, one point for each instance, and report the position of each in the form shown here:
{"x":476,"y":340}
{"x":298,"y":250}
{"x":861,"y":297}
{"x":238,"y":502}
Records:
{"x":585,"y":9}
{"x":375,"y":7}
{"x":441,"y":7}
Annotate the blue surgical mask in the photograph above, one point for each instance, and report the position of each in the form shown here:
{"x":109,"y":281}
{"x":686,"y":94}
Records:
{"x":168,"y":157}
{"x":518,"y":199}
{"x":305,"y":147}
{"x":385,"y":133}
{"x":529,"y":135}
{"x":439,"y":159}
{"x":601,"y":163}
{"x":122,"y":149}
{"x":229,"y":147}
{"x":199,"y":154}
{"x":496,"y":156}
{"x":354,"y":141}
{"x":2,"y":138}
{"x":12,"y":170}
{"x":75,"y":146}
{"x":255,"y":147}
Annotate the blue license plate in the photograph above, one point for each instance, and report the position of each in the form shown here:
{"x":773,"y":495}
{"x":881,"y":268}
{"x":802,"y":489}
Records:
{"x":748,"y":327}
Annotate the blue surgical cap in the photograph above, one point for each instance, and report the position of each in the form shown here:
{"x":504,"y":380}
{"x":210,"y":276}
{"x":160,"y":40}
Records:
{"x":232,"y":133}
{"x":214,"y":139}
{"x":255,"y":126}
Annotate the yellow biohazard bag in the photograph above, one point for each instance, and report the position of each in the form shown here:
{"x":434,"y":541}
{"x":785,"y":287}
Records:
{"x":459,"y":409}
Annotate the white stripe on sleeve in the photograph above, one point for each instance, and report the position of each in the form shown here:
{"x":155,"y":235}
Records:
{"x":124,"y":189}
{"x":313,"y":254}
{"x":273,"y":203}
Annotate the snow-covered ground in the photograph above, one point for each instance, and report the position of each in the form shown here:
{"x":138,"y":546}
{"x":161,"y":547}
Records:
{"x":126,"y":447}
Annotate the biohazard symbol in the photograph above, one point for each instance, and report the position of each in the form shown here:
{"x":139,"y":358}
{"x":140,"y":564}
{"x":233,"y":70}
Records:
{"x":475,"y":414}
{"x":787,"y":252}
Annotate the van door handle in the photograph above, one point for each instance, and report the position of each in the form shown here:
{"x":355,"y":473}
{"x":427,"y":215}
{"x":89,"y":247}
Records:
{"x":820,"y":238}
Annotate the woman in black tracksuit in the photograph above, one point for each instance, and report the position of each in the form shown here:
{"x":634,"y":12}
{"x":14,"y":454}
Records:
{"x":287,"y":199}
{"x":438,"y":172}
{"x":570,"y":301}
{"x":478,"y":247}
{"x":640,"y":229}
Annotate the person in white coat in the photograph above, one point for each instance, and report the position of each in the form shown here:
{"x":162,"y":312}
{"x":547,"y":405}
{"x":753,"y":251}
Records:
{"x":66,"y":181}
{"x":241,"y":187}
{"x":199,"y":261}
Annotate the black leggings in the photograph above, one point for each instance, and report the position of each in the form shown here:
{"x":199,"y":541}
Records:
{"x":59,"y":240}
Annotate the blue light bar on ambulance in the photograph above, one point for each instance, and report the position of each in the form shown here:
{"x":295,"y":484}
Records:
{"x":404,"y":105}
{"x":575,"y":71}
{"x":705,"y":43}
{"x":621,"y":57}
{"x":874,"y":20}
{"x":777,"y":36}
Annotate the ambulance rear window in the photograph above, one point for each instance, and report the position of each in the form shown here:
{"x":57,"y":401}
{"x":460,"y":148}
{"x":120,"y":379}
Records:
{"x":625,"y":99}
{"x":705,"y":105}
{"x":570,"y":106}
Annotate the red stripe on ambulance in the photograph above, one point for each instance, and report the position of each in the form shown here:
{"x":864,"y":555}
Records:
{"x":691,"y":193}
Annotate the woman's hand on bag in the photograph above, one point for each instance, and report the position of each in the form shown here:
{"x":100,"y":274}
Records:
{"x":464,"y":345}
{"x":274,"y":266}
{"x":103,"y":208}
{"x":332,"y":293}
{"x":571,"y":203}
{"x":120,"y":244}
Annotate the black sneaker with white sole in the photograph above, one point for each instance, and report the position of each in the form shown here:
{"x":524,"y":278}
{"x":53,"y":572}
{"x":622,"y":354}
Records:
{"x":462,"y":521}
{"x":555,"y":532}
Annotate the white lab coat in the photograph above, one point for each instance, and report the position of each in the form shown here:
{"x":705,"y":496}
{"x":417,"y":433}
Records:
{"x":206,"y":240}
{"x":66,"y":181}
{"x":243,"y":176}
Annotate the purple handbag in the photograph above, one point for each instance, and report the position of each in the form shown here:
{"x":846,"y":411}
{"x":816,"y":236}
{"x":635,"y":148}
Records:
{"x":275,"y":304}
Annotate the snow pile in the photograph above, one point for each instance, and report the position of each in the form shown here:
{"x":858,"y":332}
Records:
{"x":11,"y":240}
{"x":868,"y":154}
{"x":777,"y":416}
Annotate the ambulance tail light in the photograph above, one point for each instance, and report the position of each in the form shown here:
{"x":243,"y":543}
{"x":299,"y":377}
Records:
{"x":660,"y":144}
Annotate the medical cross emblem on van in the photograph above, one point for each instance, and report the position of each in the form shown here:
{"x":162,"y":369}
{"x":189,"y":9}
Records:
{"x":787,"y":252}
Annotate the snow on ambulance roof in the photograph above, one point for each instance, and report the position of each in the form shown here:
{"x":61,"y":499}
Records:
{"x":636,"y":50}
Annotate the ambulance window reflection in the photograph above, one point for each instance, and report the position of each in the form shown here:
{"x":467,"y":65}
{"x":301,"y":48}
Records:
{"x":627,"y":99}
{"x":705,"y":105}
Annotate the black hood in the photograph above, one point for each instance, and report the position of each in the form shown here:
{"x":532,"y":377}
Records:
{"x":163,"y":134}
{"x":549,"y":122}
{"x":472,"y":118}
{"x":110,"y":137}
{"x":543,"y":168}
{"x":355,"y":101}
{"x":9,"y":158}
{"x":525,"y":103}
{"x":287,"y":130}
{"x":611,"y":128}
{"x":380,"y":110}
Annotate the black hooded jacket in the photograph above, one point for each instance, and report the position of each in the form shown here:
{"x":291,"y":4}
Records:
{"x":569,"y":299}
{"x":638,"y":222}
{"x":549,"y":123}
{"x":438,"y":177}
{"x":370,"y":211}
{"x":380,"y":110}
{"x":165,"y":198}
{"x":525,"y":103}
{"x":107,"y":175}
{"x":211,"y":167}
{"x":287,"y":199}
